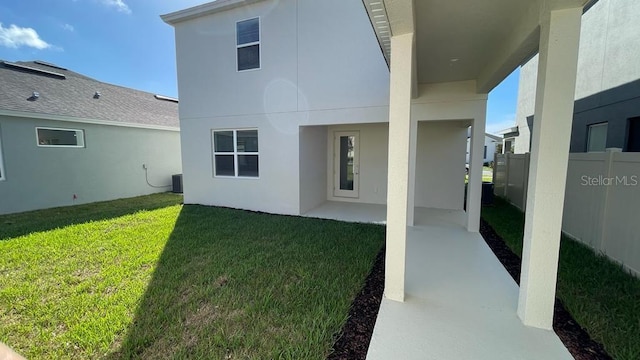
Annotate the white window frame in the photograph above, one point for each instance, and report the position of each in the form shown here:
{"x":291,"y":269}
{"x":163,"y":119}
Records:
{"x":259,"y":43}
{"x":81,"y":144}
{"x":3,"y":176}
{"x":606,"y":133}
{"x":235,"y":153}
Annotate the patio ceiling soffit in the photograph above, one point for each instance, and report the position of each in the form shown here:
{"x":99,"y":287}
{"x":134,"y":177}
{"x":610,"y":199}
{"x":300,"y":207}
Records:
{"x":381,"y":11}
{"x":522,"y":42}
{"x":389,"y":18}
{"x":506,"y":46}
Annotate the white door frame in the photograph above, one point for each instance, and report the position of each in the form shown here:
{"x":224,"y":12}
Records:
{"x":337,"y":191}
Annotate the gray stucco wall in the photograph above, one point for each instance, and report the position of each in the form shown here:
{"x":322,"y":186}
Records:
{"x":607,"y":84}
{"x":108,"y":167}
{"x":614,"y":106}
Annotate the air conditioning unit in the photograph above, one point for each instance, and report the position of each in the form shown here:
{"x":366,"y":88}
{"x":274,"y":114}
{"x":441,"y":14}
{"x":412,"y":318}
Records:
{"x":176,"y":181}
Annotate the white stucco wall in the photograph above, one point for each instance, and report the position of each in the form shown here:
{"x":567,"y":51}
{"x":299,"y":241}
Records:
{"x":108,"y":167}
{"x":440,"y":164}
{"x":448,"y":101}
{"x":491,"y":149}
{"x":313,"y":175}
{"x":208,"y":81}
{"x":340,"y":64}
{"x":276,"y":189}
{"x":311,"y":75}
{"x":303,"y":62}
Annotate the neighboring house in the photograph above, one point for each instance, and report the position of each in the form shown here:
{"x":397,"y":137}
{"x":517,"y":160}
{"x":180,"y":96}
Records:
{"x":68,"y":139}
{"x":490,"y":143}
{"x":607,"y":106}
{"x":289,"y":104}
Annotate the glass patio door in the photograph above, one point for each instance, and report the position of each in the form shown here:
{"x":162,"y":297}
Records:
{"x":346,"y":164}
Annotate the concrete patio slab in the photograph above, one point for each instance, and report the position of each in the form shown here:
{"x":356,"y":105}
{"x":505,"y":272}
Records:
{"x":460,"y":302}
{"x":350,"y":211}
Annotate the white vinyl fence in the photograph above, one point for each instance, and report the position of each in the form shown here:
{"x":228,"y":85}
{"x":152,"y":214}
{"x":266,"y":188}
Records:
{"x":601,"y":204}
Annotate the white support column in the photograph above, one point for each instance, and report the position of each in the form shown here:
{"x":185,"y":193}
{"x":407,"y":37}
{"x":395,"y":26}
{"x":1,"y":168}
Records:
{"x":476,"y":157}
{"x":559,"y":37}
{"x":398,"y":170}
{"x":413,"y":148}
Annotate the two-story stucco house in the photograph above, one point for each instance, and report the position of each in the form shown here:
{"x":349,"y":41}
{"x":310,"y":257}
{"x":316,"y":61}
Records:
{"x":289,"y":105}
{"x":284,"y":110}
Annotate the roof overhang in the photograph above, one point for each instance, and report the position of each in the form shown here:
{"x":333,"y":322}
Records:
{"x":204,"y":10}
{"x":380,"y":23}
{"x":509,"y":132}
{"x":465,"y":40}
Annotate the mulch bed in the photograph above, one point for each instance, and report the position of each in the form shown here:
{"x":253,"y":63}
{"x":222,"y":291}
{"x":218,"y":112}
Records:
{"x":353,"y":341}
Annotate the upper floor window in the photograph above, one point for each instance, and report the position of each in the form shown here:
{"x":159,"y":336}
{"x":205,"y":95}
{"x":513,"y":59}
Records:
{"x":55,"y":137}
{"x":248,"y":44}
{"x":597,"y":137}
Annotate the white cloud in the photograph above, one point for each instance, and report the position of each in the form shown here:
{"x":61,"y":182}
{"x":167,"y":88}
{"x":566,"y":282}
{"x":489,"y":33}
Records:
{"x":118,"y":5}
{"x":15,"y":36}
{"x":69,"y":27}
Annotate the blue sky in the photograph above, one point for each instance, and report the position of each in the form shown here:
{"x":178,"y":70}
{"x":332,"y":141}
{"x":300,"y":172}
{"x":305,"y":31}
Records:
{"x":125,"y":42}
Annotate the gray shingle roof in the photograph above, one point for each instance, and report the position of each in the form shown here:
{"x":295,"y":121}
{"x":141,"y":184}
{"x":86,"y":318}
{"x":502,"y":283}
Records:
{"x":73,"y":96}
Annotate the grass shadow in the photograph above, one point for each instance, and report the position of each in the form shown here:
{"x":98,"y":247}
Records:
{"x":237,"y":284}
{"x":24,"y":223}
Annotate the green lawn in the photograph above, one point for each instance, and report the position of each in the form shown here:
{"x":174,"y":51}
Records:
{"x":600,"y":295}
{"x":150,"y":278}
{"x":485,"y":178}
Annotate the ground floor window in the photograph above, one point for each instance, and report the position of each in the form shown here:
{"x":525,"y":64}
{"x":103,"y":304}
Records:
{"x":597,"y":137}
{"x":56,"y":137}
{"x":235,"y":153}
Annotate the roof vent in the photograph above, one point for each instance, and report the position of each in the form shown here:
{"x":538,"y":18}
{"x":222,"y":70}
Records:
{"x":34,"y":96}
{"x":34,"y":70}
{"x":97,"y":95}
{"x":166,"y":98}
{"x":40,"y":62}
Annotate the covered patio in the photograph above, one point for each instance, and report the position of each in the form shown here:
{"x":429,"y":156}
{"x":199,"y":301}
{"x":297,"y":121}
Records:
{"x":460,"y":302}
{"x":446,"y":296}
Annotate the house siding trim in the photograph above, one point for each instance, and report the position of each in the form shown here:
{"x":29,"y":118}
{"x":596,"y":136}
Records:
{"x":41,"y":116}
{"x":204,"y":10}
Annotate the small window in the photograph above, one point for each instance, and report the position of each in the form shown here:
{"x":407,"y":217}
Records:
{"x":597,"y":137}
{"x":485,"y":152}
{"x":633,"y":135}
{"x":509,"y":145}
{"x":248,"y":44}
{"x":235,"y":153}
{"x":54,"y":137}
{"x":2,"y":175}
